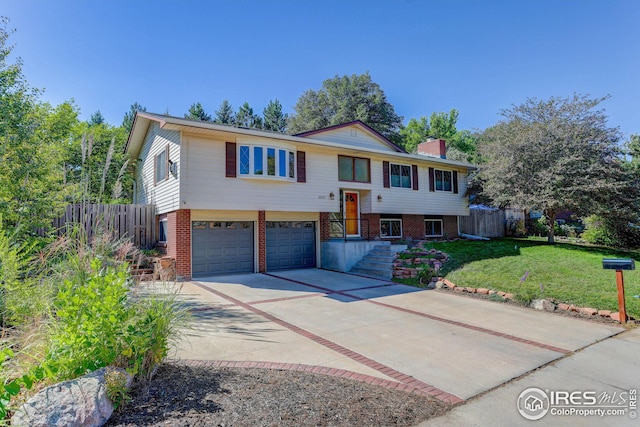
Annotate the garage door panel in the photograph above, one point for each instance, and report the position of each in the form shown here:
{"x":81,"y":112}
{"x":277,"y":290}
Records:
{"x":290,"y":245}
{"x":222,"y":247}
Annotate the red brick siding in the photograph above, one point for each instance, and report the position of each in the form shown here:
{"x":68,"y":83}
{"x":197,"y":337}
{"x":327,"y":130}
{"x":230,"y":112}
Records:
{"x":450,"y":226}
{"x":262,"y":242}
{"x":179,"y":241}
{"x":325,"y":227}
{"x":413,"y":226}
{"x":370,"y":223}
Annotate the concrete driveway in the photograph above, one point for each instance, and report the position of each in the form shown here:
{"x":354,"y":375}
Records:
{"x":449,"y":346}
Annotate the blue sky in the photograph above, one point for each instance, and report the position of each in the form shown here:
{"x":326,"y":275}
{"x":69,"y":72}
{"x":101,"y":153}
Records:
{"x":478,"y":56}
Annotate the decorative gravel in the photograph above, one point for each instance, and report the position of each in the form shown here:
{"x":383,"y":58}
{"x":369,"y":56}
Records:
{"x":181,"y":395}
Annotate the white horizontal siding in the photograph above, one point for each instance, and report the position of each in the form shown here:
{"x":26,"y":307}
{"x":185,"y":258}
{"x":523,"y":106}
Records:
{"x":352,"y":135}
{"x":417,"y":202}
{"x":165,"y":194}
{"x":205,"y":187}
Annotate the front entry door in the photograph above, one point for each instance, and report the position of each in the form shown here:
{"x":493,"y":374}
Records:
{"x":351,"y":213}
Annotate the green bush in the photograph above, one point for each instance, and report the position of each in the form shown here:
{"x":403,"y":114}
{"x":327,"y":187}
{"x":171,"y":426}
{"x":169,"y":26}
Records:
{"x":597,"y":232}
{"x":74,"y":308}
{"x":99,"y":323}
{"x":539,"y":227}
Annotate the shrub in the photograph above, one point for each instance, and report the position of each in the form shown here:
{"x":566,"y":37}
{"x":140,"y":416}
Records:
{"x":99,"y":323}
{"x":597,"y":232}
{"x":616,"y":232}
{"x":539,"y":227}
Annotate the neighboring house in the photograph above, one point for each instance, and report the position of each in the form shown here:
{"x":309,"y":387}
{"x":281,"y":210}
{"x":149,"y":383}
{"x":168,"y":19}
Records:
{"x":233,"y":200}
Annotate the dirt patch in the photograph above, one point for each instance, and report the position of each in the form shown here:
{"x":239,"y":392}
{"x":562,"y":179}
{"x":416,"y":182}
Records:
{"x":182,"y":395}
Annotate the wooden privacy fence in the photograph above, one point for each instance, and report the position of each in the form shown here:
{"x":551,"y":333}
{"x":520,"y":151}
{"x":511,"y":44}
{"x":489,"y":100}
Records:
{"x":483,"y":222}
{"x":133,"y":221}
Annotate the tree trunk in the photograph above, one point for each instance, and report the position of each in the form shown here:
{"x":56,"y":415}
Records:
{"x":550,"y":214}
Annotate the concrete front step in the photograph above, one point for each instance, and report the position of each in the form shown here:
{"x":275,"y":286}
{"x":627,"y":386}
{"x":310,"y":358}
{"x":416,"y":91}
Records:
{"x":377,"y":263}
{"x":373,"y":272}
{"x":365,"y":263}
{"x":375,"y":258}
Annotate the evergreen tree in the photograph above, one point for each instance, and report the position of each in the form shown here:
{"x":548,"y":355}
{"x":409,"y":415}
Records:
{"x":224,"y":114}
{"x":196,"y":112}
{"x":246,"y":117}
{"x":96,"y":119}
{"x":127,"y":121}
{"x":273,"y":118}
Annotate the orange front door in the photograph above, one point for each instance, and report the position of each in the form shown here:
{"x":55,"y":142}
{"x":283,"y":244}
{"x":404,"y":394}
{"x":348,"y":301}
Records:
{"x":352,"y":225}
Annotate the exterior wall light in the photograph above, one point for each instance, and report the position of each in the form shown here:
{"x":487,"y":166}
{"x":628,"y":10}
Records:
{"x":379,"y":197}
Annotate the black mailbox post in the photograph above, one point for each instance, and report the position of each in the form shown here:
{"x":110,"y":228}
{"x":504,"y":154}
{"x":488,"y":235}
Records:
{"x":619,"y":264}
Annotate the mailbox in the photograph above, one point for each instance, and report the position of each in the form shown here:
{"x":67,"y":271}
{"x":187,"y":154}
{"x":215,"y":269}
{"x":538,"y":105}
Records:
{"x":618,"y":264}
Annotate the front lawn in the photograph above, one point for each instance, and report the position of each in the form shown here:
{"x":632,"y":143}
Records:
{"x":567,"y":272}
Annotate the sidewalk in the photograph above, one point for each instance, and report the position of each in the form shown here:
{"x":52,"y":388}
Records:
{"x":611,"y":366}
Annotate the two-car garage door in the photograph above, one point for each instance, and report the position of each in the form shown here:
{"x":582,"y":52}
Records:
{"x":227,"y":247}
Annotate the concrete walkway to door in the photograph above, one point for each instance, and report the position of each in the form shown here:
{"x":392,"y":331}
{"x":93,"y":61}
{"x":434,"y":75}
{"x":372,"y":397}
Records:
{"x":446,"y":345}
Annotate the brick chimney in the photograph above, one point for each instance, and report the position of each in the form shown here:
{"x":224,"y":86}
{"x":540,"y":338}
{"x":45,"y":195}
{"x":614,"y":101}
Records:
{"x":433,"y":147}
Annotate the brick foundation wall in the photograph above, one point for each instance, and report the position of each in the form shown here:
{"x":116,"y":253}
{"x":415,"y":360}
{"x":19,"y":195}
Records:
{"x":325,"y":227}
{"x":371,"y":224}
{"x":450,"y":226}
{"x":179,"y":241}
{"x":262,"y":242}
{"x":413,"y":226}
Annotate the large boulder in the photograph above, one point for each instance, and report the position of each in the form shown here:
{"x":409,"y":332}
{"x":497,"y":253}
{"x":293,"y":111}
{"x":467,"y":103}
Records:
{"x":81,"y":402}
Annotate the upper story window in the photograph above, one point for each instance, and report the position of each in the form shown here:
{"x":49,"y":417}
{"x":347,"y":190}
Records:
{"x":400,"y":176}
{"x":443,"y":180}
{"x":354,"y":169}
{"x":161,"y":165}
{"x":256,"y":160}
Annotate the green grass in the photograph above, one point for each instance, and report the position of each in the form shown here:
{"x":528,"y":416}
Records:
{"x":567,"y":272}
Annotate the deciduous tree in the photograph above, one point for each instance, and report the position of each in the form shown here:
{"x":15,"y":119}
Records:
{"x":556,"y":154}
{"x":344,"y":99}
{"x":30,"y":176}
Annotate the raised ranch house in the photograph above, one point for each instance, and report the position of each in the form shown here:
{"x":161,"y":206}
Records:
{"x":236,"y":200}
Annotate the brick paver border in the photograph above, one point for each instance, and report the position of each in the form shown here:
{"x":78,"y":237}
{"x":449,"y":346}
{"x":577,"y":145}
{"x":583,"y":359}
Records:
{"x":418,"y":389}
{"x":384,"y":369}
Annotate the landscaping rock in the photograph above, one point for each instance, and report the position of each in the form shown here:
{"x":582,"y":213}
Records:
{"x":616,"y":316}
{"x":502,"y":294}
{"x":588,"y":311}
{"x":440,"y":284}
{"x":483,"y":291}
{"x":471,"y":290}
{"x":573,"y":308}
{"x":82,"y":402}
{"x":563,"y":306}
{"x":543,"y":305}
{"x":492,"y":292}
{"x":459,"y":289}
{"x":604,"y":313}
{"x":508,"y":296}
